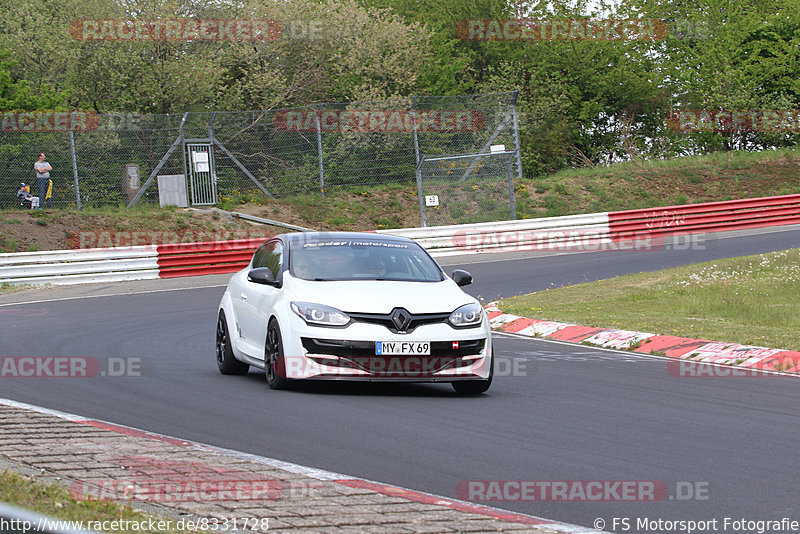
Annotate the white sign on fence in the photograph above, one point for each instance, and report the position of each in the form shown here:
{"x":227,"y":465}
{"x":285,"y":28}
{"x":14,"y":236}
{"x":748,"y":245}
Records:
{"x":200,"y":161}
{"x":431,"y":200}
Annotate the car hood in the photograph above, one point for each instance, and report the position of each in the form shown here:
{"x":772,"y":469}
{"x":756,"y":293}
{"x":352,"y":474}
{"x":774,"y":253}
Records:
{"x":381,"y":296}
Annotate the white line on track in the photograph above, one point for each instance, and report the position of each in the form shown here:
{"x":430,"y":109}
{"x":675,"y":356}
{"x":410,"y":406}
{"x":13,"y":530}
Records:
{"x":43,"y":301}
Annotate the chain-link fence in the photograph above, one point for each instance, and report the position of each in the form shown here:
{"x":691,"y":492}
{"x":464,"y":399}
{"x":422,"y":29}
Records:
{"x":116,"y":159}
{"x":468,"y":188}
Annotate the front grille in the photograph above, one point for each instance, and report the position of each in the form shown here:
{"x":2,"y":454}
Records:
{"x":385,"y":319}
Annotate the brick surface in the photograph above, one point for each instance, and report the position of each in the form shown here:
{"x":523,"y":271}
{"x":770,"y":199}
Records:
{"x":188,"y":478}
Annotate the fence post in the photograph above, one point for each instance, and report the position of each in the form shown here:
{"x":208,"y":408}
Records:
{"x":516,"y":133}
{"x":418,"y":171}
{"x":74,"y":161}
{"x":319,"y":152}
{"x":512,"y":198}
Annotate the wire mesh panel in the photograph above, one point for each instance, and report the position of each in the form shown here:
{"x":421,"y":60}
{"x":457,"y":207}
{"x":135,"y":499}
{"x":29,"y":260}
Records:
{"x":467,"y":188}
{"x":115,"y":158}
{"x":258,"y":158}
{"x":121,"y":140}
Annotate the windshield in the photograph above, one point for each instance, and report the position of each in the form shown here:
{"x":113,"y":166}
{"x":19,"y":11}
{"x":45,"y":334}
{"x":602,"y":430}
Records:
{"x":349,"y":259}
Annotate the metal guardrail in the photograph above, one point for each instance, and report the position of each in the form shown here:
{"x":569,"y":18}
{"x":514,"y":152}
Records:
{"x":496,"y":237}
{"x":553,"y":233}
{"x":64,"y":267}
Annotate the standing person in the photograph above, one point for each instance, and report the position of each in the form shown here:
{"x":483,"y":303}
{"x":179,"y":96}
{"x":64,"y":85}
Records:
{"x":42,"y":169}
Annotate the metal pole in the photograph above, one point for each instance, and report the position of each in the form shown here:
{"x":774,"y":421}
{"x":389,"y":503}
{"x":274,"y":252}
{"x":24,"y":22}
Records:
{"x":516,"y":134}
{"x":418,"y":170}
{"x":319,"y":153}
{"x":186,"y":173}
{"x":518,"y":157}
{"x":210,"y":126}
{"x":212,"y":169}
{"x":512,"y":199}
{"x":74,"y":160}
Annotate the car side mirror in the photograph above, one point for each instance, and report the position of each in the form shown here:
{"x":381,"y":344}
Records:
{"x":262,"y":275}
{"x":461,"y":277}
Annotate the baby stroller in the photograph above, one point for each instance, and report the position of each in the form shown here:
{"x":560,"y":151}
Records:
{"x":26,"y":200}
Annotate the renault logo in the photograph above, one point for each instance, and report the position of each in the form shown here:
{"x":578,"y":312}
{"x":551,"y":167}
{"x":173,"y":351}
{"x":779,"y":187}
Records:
{"x":400,"y":319}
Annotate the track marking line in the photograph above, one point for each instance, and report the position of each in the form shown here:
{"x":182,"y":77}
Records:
{"x":143,"y":292}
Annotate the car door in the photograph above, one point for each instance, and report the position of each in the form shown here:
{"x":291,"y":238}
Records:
{"x":236,"y":289}
{"x":239,"y":290}
{"x":257,"y":299}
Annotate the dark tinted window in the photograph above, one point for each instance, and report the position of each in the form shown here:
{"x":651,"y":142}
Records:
{"x":362,"y":259}
{"x":269,"y":255}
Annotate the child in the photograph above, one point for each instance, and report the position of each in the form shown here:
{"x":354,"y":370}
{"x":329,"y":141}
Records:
{"x":24,"y":196}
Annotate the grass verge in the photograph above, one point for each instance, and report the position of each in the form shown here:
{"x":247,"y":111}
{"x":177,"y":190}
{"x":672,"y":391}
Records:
{"x":6,"y":289}
{"x":750,"y":300}
{"x":640,"y":184}
{"x":54,"y":500}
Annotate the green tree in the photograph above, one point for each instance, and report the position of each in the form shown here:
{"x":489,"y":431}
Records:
{"x":16,"y":94}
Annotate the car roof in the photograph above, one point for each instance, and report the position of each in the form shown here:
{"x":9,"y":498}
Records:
{"x":305,"y":237}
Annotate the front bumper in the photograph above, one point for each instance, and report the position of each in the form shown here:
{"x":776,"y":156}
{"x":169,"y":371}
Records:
{"x":349,"y":354}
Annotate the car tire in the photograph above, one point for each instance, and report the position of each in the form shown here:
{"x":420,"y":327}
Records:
{"x":474,"y":387}
{"x":274,"y":362}
{"x":226,"y":362}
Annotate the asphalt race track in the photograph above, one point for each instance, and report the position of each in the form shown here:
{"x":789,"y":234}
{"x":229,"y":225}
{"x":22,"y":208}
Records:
{"x":568,"y":412}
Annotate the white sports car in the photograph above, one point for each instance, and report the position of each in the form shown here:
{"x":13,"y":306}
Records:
{"x":352,"y":306}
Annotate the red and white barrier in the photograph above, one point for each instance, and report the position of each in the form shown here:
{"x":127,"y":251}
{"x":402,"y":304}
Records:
{"x":618,"y":230}
{"x":194,"y":259}
{"x":707,"y":217}
{"x":121,"y":264}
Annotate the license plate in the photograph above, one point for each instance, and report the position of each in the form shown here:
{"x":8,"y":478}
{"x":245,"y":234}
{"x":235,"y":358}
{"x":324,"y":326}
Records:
{"x":402,"y":348}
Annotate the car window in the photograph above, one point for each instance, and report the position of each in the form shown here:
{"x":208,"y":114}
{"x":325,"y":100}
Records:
{"x":363,"y":260}
{"x":270,"y":255}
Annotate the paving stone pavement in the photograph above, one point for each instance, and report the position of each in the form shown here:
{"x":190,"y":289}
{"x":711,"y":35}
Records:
{"x":181,"y":478}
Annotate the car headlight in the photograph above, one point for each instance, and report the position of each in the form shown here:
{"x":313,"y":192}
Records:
{"x":319,"y":315}
{"x":466,"y":316}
